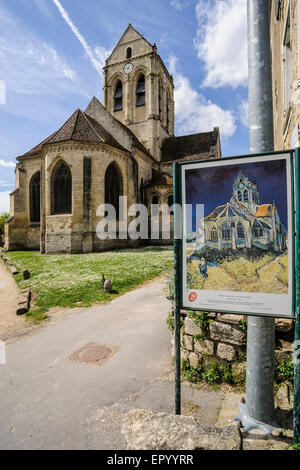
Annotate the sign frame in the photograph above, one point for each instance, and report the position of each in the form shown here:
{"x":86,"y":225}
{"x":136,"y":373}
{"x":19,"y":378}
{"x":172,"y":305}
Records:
{"x":178,"y":245}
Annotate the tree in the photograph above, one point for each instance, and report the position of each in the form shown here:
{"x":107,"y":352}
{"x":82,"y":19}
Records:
{"x":3,"y":217}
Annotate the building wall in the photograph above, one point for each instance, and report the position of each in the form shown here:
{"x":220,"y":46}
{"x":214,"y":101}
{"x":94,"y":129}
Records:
{"x":285,"y":111}
{"x":74,"y":232}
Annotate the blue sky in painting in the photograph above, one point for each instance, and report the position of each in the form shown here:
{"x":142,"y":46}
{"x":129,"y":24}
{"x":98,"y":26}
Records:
{"x":213,"y":186}
{"x":52,"y":53}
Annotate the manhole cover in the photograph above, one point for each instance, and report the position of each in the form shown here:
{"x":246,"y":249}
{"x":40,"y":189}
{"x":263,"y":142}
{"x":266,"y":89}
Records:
{"x":93,"y":354}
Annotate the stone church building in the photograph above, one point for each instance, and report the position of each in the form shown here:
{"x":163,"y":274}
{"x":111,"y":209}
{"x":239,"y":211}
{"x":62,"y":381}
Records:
{"x":124,"y":147}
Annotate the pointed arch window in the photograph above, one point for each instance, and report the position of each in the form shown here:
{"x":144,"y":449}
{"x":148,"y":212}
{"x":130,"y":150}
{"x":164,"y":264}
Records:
{"x":170,"y":204}
{"x":226,"y":235}
{"x":61,"y":189}
{"x":141,"y":91}
{"x":155,"y":208}
{"x":160,"y":92}
{"x":240,"y":196}
{"x":246,"y":196}
{"x":118,"y":97}
{"x":35,"y":197}
{"x":128,"y":53}
{"x":168,"y":112}
{"x":113,"y":187}
{"x":240,"y":231}
{"x":214,"y":235}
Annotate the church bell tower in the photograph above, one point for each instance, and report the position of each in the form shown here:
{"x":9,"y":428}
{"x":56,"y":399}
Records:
{"x":139,"y":91}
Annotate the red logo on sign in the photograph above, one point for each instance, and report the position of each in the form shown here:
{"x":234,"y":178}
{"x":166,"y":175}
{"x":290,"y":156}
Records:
{"x":192,"y":296}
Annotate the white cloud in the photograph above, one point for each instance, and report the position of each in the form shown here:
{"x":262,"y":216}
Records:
{"x":97,"y":56}
{"x":179,"y":4}
{"x":29,"y":65}
{"x":3,"y":184}
{"x":194,"y":113}
{"x":221,"y":42}
{"x":4,"y":201}
{"x":7,"y":164}
{"x":244,"y":113}
{"x":2,"y":92}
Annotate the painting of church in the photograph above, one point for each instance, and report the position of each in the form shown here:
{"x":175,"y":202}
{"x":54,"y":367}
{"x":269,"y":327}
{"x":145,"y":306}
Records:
{"x":243,"y":222}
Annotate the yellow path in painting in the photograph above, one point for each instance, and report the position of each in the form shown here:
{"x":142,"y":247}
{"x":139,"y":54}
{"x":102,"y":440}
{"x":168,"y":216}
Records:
{"x":218,"y":279}
{"x":268,"y":278}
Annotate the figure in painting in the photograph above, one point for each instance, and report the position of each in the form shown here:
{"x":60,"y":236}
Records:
{"x":203,"y":267}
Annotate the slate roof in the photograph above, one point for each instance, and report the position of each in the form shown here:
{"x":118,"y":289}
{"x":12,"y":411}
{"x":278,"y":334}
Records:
{"x":226,"y":210}
{"x":79,"y":127}
{"x":176,"y":148}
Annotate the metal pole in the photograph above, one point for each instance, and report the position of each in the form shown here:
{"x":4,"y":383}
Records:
{"x":297,"y":325}
{"x":177,"y":261}
{"x":258,"y":412}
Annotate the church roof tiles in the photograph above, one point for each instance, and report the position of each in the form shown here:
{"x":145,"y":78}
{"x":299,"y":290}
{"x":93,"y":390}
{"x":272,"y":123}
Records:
{"x":79,"y":127}
{"x":178,"y":148}
{"x":265,"y":210}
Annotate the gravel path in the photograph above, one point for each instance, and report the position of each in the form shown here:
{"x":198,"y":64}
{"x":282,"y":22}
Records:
{"x":11,"y":325}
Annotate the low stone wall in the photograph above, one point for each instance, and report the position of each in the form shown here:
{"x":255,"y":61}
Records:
{"x":211,"y":336}
{"x":221,"y":338}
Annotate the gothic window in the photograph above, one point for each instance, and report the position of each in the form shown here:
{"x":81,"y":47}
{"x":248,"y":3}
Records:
{"x":113,"y":187}
{"x":128,"y":53}
{"x":277,"y":9}
{"x":61,"y":189}
{"x":287,"y":65}
{"x":35,"y":197}
{"x":240,"y":196}
{"x":118,"y":97}
{"x":170,"y":204}
{"x":226,"y":232}
{"x":240,"y":231}
{"x":155,"y":202}
{"x":261,"y":232}
{"x":168,"y":112}
{"x":140,"y":91}
{"x":160,"y":92}
{"x":214,"y":235}
{"x":246,"y":196}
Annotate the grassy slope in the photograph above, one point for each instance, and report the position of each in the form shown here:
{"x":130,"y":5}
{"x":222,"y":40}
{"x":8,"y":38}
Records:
{"x":75,"y":280}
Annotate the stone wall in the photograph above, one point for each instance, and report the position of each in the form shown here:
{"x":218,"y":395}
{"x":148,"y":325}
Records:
{"x":219,"y":337}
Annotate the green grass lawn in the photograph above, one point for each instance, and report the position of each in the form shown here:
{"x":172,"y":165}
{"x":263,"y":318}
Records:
{"x":75,"y":280}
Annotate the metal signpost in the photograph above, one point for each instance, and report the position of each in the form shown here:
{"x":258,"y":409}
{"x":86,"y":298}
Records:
{"x":296,"y":421}
{"x":228,"y":223}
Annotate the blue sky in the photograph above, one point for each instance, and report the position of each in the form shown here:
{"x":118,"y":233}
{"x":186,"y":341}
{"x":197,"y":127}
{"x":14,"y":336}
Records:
{"x":52,"y":53}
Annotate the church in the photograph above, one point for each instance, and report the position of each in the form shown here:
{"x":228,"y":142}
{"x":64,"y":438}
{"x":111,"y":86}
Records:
{"x":245,"y":223}
{"x":123,"y":147}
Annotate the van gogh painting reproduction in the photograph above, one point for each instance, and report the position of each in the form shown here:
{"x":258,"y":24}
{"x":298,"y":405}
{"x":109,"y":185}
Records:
{"x":241,"y":243}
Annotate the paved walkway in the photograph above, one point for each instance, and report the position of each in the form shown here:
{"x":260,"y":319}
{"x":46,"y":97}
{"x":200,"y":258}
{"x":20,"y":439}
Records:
{"x":10,"y":324}
{"x":49,"y":402}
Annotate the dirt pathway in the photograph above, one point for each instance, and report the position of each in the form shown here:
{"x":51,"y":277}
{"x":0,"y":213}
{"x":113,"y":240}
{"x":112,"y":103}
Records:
{"x":10,"y":324}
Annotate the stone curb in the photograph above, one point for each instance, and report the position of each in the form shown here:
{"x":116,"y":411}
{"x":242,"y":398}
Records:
{"x":12,"y":268}
{"x":24,"y":302}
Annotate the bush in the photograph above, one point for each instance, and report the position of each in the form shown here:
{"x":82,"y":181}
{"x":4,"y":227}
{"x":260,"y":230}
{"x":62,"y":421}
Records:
{"x":285,"y":371}
{"x":169,"y":286}
{"x":215,"y":375}
{"x":3,"y":217}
